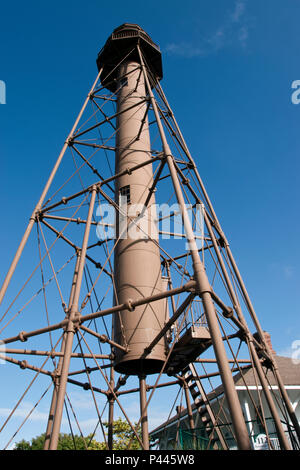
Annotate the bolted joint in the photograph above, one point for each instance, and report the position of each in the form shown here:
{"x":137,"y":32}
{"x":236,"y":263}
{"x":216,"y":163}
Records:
{"x":268,"y":363}
{"x":23,"y":364}
{"x":54,"y":377}
{"x":129,"y":305}
{"x":103,"y":339}
{"x":55,"y":374}
{"x":72,"y":325}
{"x":192,"y":289}
{"x":169,"y":155}
{"x":110,"y":397}
{"x":242,"y":335}
{"x":161,"y":156}
{"x":228,"y":313}
{"x":38,"y":216}
{"x":222,"y":242}
{"x":76,"y":321}
{"x":52,"y":355}
{"x":22,"y":336}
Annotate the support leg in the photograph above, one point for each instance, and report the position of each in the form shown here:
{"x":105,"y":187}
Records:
{"x":70,"y":331}
{"x":144,"y":416}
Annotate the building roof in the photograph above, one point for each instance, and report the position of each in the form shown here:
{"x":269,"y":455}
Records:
{"x":288,"y":370}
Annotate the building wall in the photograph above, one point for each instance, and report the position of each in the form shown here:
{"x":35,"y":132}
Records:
{"x":252,"y":404}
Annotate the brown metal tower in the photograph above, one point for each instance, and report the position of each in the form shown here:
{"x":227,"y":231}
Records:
{"x":132,"y":278}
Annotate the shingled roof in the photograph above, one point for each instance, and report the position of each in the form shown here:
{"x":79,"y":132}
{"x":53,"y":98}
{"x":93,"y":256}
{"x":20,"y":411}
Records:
{"x":288,"y":370}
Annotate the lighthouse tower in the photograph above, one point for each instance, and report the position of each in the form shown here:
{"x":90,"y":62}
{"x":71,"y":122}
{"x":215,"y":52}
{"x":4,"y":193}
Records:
{"x":137,"y":255}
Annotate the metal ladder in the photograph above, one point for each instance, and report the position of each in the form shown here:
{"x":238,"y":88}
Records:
{"x":202,"y":404}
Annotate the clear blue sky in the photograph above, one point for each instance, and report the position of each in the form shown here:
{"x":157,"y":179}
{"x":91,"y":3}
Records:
{"x":228,"y":70}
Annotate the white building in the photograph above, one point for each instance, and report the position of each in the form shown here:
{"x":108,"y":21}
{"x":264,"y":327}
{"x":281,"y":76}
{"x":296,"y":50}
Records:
{"x":176,"y":433}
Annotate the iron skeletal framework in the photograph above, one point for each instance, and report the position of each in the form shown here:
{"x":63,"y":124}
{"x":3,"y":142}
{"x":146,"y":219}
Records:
{"x":130,"y":286}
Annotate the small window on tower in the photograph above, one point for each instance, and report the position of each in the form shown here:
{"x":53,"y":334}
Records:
{"x":125,"y":193}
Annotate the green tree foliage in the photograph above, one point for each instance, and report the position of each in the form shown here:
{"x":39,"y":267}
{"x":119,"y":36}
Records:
{"x":123,"y":439}
{"x":65,"y":442}
{"x":124,"y":436}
